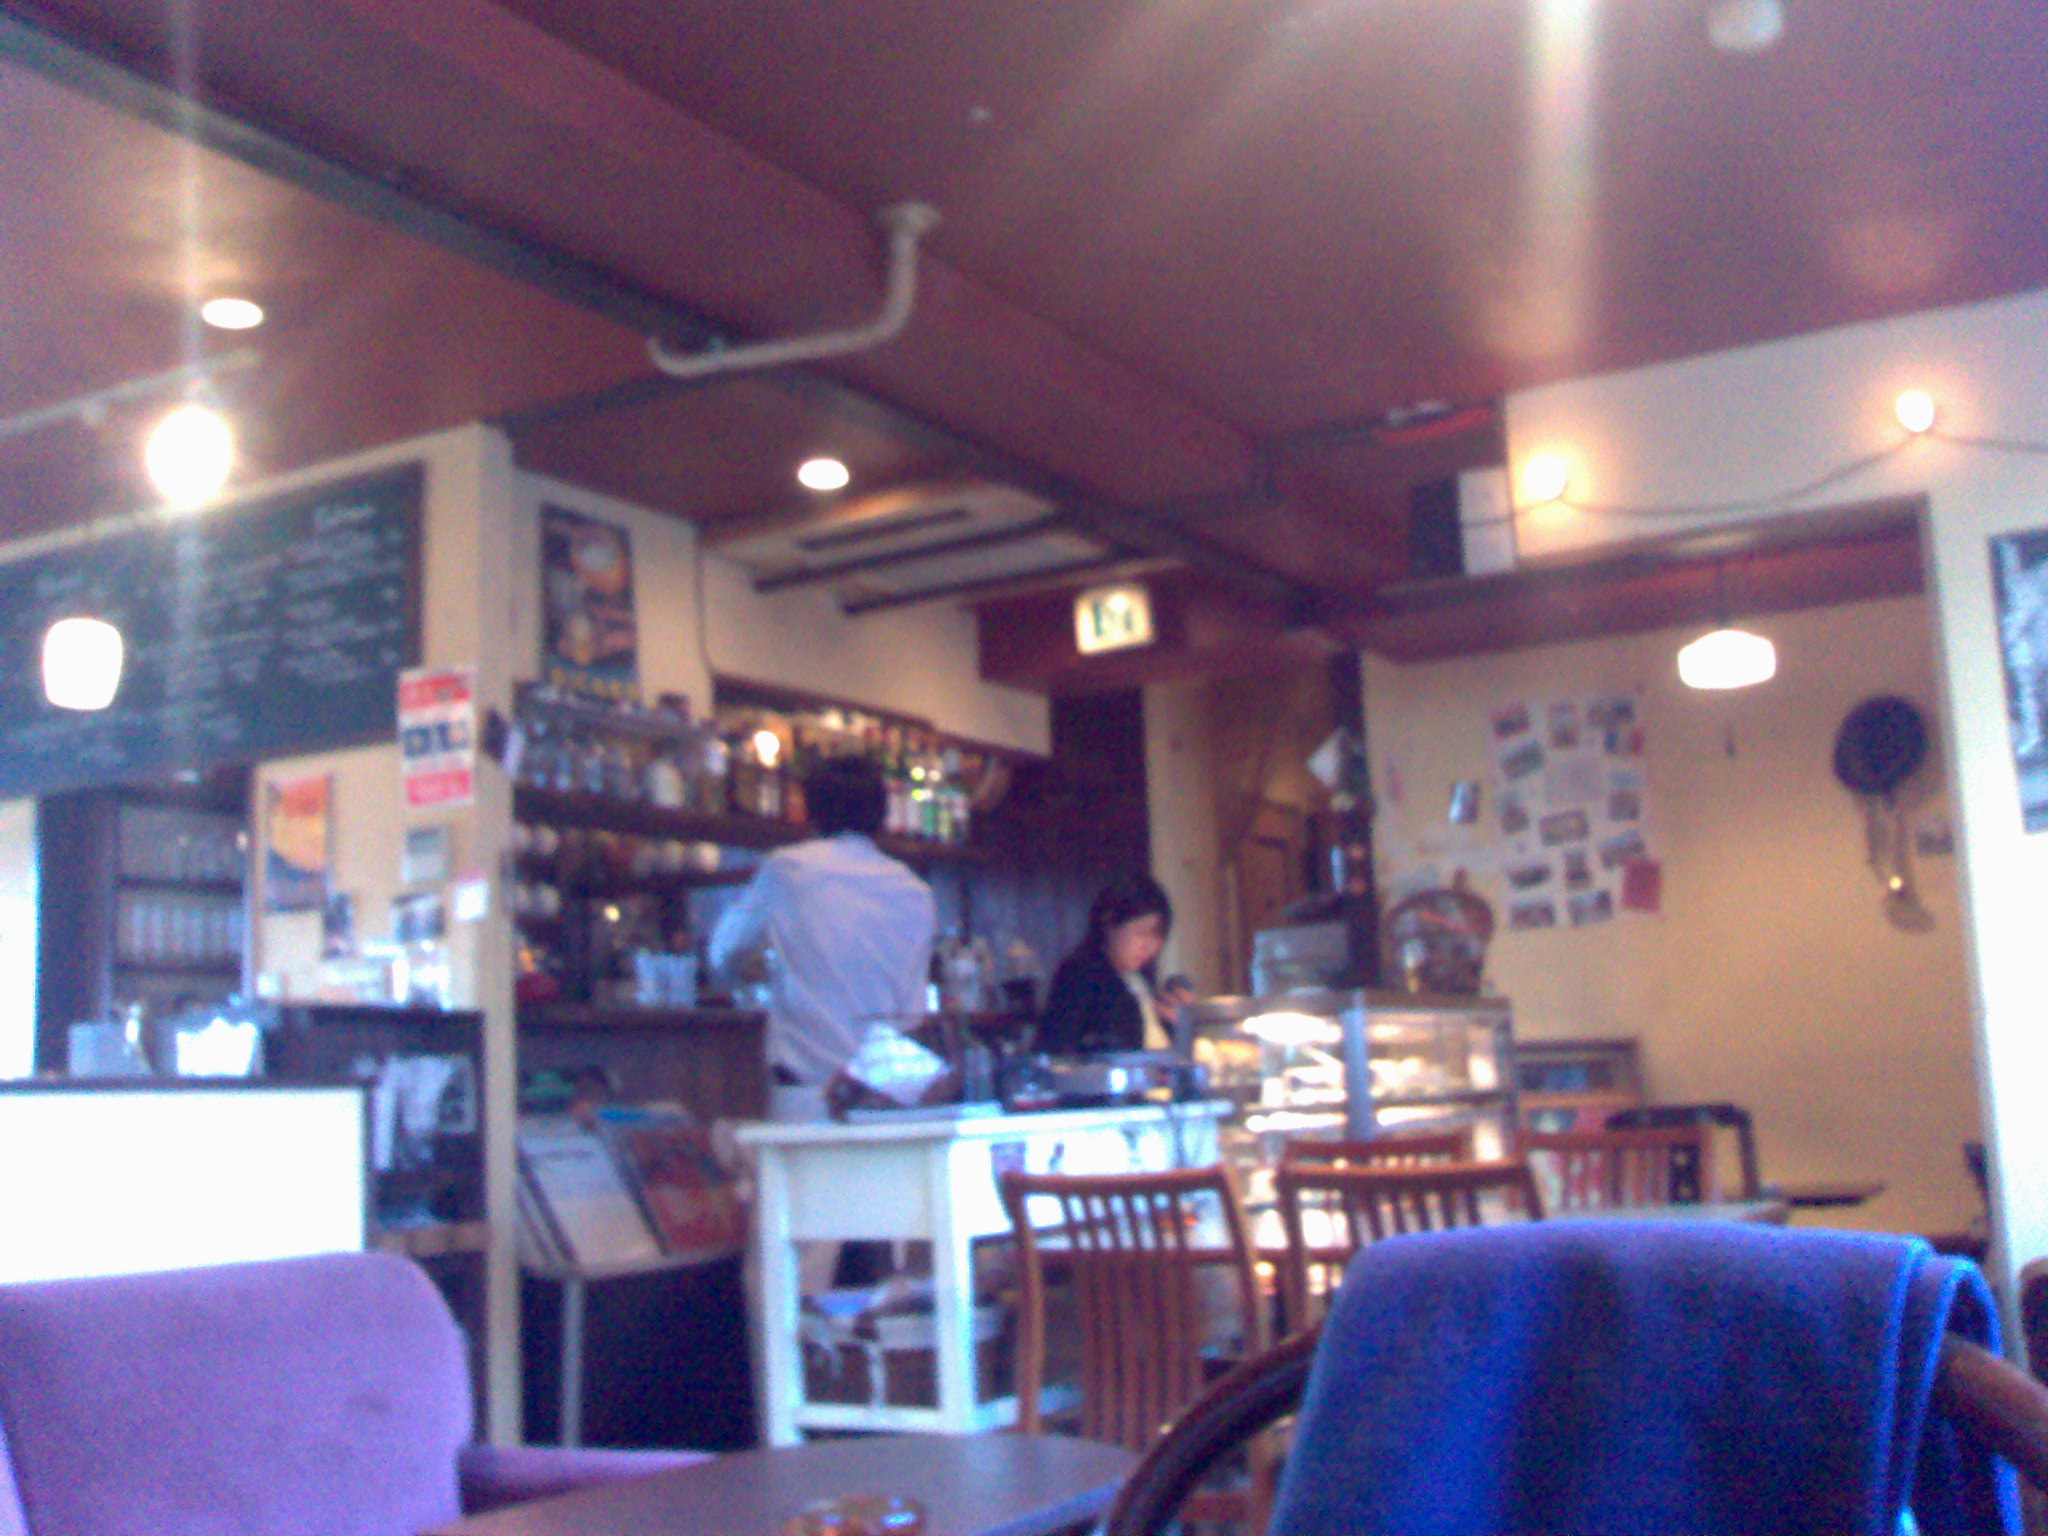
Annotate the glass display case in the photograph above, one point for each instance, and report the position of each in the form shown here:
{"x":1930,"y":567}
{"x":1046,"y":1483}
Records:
{"x":1291,"y":1064}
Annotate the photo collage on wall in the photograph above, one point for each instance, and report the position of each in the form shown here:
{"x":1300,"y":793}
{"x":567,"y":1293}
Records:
{"x":1571,"y":810}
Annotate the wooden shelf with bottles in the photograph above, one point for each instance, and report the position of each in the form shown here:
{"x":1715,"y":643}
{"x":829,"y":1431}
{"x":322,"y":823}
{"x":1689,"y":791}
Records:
{"x":637,"y":818}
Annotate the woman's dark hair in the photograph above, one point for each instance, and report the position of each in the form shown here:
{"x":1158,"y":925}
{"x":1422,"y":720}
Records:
{"x":845,"y":794}
{"x":1126,"y":897}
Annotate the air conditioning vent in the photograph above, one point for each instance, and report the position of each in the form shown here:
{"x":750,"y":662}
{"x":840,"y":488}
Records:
{"x":918,"y":542}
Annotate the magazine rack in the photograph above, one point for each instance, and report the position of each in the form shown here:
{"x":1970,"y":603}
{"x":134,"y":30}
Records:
{"x":637,"y":1194}
{"x":574,"y":1355}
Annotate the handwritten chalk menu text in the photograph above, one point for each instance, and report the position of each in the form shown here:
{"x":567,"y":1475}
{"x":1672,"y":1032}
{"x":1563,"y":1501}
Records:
{"x":251,"y":631}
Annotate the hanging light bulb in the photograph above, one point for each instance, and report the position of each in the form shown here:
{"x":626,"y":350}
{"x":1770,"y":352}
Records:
{"x":1915,"y":411}
{"x":1727,"y":658}
{"x":81,"y":663}
{"x":189,"y":454}
{"x":1545,"y":478}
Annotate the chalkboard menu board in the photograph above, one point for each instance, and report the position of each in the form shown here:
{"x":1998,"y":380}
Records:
{"x":253,"y":631}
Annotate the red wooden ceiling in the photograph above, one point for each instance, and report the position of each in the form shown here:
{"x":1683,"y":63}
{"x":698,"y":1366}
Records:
{"x":1180,"y":237}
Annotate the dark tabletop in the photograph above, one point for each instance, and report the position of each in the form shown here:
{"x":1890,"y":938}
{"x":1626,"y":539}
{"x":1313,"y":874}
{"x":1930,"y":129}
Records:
{"x":970,"y":1485}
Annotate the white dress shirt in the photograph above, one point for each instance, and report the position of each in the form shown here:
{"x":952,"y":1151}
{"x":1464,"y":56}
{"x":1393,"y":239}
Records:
{"x":851,"y":930}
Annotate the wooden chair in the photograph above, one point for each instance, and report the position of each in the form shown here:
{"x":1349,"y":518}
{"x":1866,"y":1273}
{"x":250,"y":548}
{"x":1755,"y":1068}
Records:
{"x":1328,"y":1213}
{"x":1604,"y":1170}
{"x":1135,"y":1249}
{"x":1397,"y":1150}
{"x":2003,"y":1408}
{"x":1731,"y":1117}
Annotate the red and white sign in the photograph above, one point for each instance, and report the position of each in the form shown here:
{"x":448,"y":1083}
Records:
{"x":437,"y":735}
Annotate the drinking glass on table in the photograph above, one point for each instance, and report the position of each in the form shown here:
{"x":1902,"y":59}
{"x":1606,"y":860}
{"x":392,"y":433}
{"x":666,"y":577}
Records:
{"x":862,"y":1514}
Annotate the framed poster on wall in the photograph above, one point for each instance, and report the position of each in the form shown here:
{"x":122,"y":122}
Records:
{"x":2019,"y":582}
{"x":589,"y":630}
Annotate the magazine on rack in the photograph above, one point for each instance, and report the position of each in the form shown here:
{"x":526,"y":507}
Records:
{"x":584,"y":1205}
{"x":667,"y":1158}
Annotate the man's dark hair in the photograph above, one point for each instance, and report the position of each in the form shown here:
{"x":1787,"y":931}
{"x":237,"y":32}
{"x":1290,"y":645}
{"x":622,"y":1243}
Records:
{"x":845,"y":794}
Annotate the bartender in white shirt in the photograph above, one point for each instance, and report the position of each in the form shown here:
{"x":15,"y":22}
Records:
{"x":850,"y":930}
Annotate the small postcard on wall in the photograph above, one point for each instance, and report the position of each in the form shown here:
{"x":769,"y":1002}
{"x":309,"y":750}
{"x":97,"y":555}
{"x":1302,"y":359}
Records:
{"x":437,"y":735}
{"x":296,"y":831}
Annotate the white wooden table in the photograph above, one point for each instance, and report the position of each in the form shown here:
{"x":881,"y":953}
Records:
{"x":933,"y":1180}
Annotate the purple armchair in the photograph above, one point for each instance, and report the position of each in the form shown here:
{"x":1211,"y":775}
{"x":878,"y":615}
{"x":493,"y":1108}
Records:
{"x":324,"y":1396}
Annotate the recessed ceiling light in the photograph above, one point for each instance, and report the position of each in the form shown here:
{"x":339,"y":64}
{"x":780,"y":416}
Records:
{"x":229,"y":314}
{"x":1745,"y":26}
{"x":822,"y":475}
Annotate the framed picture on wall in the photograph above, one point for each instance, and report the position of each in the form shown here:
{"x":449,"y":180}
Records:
{"x":297,"y":817}
{"x":589,"y":629}
{"x":2019,"y":582}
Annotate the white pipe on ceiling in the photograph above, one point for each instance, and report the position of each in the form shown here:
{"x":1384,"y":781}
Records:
{"x":907,"y":223}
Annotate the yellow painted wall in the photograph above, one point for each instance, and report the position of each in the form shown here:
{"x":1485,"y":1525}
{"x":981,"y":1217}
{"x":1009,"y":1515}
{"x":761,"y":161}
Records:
{"x":465,"y":610}
{"x":1180,"y":794}
{"x":1751,"y":428}
{"x":1771,"y":977}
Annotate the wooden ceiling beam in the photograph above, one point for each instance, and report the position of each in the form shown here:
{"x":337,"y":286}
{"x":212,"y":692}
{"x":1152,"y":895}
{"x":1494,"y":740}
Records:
{"x":540,"y":145}
{"x":1811,"y":561}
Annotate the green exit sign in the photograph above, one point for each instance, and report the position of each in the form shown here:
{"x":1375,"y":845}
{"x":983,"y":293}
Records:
{"x":1113,"y":618}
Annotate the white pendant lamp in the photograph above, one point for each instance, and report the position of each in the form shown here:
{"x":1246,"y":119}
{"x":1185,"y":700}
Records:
{"x":1727,"y":658}
{"x":81,"y":663}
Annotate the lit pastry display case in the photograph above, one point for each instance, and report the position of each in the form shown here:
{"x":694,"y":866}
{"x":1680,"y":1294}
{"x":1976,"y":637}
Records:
{"x":1293,"y":1065}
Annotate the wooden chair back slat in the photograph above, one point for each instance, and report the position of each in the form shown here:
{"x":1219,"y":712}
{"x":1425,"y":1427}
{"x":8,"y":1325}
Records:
{"x":1398,"y":1150}
{"x":1135,"y":1248}
{"x":1353,"y":1206}
{"x":1600,"y":1170}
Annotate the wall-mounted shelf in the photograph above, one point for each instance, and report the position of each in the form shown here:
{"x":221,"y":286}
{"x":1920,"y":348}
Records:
{"x":600,"y":813}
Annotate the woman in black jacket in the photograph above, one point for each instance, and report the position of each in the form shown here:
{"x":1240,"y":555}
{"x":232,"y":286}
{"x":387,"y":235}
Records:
{"x":1101,"y":997}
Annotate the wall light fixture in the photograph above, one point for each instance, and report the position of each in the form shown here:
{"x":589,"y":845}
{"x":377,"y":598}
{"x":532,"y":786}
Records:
{"x":82,"y":660}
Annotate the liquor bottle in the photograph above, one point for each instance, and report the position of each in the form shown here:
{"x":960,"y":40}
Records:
{"x":742,"y":792}
{"x":664,"y":776}
{"x":714,"y":767}
{"x":896,"y":776}
{"x":930,"y":810}
{"x":795,"y":809}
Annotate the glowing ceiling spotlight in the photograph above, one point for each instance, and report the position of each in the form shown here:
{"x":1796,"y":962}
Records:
{"x":823,"y":475}
{"x":1745,"y":26}
{"x":82,"y":660}
{"x":1915,"y":411}
{"x":189,"y":455}
{"x":227,"y":313}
